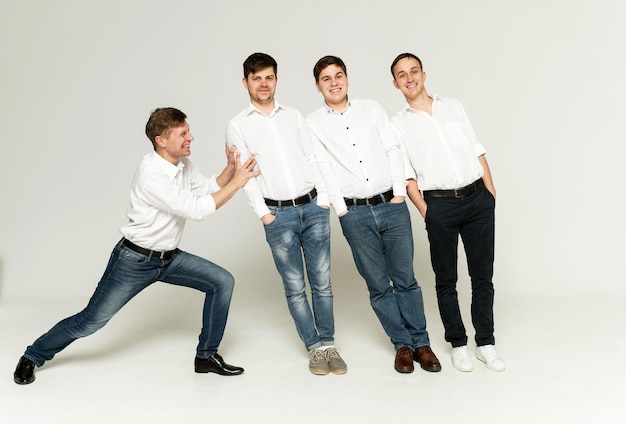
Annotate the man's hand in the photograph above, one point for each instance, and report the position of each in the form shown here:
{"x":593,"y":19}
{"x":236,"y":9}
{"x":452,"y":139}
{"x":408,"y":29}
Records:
{"x":243,"y":173}
{"x":230,"y":155}
{"x":267,"y":219}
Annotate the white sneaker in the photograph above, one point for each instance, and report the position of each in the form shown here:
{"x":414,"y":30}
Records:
{"x":461,"y":359}
{"x":488,"y":355}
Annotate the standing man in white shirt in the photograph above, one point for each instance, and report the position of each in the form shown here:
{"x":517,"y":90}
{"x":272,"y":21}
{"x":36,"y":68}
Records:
{"x":291,"y":201}
{"x":454,"y":192}
{"x":362,"y":165}
{"x":166,"y":191}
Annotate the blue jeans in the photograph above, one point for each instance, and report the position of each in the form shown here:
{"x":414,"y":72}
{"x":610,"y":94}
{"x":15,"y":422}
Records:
{"x":473,"y":217}
{"x":381,"y":240}
{"x":296,"y":232}
{"x":127,"y":274}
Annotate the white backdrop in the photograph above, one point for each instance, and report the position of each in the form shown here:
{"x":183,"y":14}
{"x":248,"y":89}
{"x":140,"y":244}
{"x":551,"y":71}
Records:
{"x":542,"y":81}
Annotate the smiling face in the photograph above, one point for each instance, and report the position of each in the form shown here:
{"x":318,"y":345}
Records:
{"x":174,"y":143}
{"x":261,"y":87}
{"x":333,"y":84}
{"x":409,"y":78}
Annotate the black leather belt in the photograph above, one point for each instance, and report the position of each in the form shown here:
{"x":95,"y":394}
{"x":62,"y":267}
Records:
{"x":150,"y":253}
{"x":456,"y":193}
{"x":302,"y":200}
{"x":371,"y":201}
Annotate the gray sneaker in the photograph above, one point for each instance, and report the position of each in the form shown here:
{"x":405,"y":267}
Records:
{"x":335,"y":363}
{"x":318,"y":364}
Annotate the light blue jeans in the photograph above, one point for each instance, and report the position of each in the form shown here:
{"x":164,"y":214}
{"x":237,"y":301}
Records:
{"x":381,"y":240}
{"x":127,"y":274}
{"x":297,"y":232}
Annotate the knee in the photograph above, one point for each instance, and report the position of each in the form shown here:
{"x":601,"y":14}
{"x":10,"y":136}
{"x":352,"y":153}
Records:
{"x":228,"y":282}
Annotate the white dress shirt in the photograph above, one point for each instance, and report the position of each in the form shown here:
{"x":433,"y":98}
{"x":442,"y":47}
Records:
{"x":162,"y":197}
{"x":358,"y":153}
{"x":285,"y":157}
{"x":442,"y":149}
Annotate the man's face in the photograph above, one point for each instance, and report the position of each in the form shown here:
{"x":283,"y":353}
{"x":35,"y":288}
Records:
{"x":333,"y":84}
{"x":176,"y":144}
{"x":409,"y":78}
{"x":261,"y":86}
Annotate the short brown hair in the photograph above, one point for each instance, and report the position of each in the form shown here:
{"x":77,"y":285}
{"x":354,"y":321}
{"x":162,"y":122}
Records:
{"x":404,"y":56}
{"x":325,"y":62}
{"x":257,"y":61}
{"x":162,"y":121}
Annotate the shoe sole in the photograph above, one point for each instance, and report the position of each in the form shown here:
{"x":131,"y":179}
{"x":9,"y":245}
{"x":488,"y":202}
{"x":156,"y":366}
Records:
{"x":488,"y":367}
{"x":319,"y":372}
{"x":431,"y":369}
{"x":339,"y":372}
{"x":205,"y":371}
{"x":463,"y":369}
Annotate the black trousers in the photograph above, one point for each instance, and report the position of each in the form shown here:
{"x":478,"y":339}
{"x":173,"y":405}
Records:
{"x":473,"y":218}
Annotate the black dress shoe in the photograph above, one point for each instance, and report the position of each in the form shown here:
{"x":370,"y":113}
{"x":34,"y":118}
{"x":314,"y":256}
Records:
{"x":24,"y":372}
{"x":216,"y":364}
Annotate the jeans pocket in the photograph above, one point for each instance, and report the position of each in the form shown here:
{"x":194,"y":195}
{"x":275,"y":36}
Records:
{"x":132,"y":257}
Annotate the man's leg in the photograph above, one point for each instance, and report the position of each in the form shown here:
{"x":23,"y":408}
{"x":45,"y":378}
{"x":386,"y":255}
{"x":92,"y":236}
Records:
{"x":284,"y":237}
{"x":361,"y":230}
{"x":217,"y":283}
{"x":127,"y":273}
{"x":316,"y":249}
{"x":443,"y":220}
{"x":397,"y":239}
{"x":477,"y":234}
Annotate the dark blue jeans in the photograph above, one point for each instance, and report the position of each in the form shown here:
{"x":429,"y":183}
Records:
{"x":473,"y":218}
{"x":381,"y":240}
{"x":127,"y":274}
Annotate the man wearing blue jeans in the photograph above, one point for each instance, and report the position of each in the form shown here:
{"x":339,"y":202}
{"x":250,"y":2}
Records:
{"x":362,"y":165}
{"x":453,"y":189}
{"x":166,"y":191}
{"x":291,"y":201}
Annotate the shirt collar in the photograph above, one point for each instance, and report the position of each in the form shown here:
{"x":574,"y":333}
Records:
{"x":251,"y":109}
{"x":168,"y":168}
{"x":331,"y":110}
{"x":408,"y":109}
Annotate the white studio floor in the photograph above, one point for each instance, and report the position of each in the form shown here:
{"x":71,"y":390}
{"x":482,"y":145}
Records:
{"x":565,"y":364}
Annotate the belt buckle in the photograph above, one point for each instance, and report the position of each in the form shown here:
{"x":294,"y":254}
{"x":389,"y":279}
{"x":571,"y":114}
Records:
{"x":293,"y":203}
{"x":162,"y":255}
{"x":456,"y":193}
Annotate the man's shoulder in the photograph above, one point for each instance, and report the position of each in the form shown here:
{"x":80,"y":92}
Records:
{"x":316,"y":114}
{"x":240,"y":115}
{"x":448,"y":100}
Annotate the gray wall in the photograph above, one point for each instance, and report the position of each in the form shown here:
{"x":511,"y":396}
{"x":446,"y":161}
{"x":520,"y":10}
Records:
{"x":542,"y":81}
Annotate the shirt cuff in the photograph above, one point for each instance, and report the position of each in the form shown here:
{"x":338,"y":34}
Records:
{"x":339,"y":206}
{"x":322,"y":199}
{"x":399,"y":188}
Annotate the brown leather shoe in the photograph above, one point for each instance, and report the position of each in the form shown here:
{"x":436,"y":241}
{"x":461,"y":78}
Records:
{"x":404,"y":360}
{"x":427,"y":359}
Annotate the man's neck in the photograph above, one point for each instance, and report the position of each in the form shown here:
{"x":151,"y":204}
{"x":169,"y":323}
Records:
{"x":423,"y":103}
{"x":265,"y":107}
{"x":339,"y":106}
